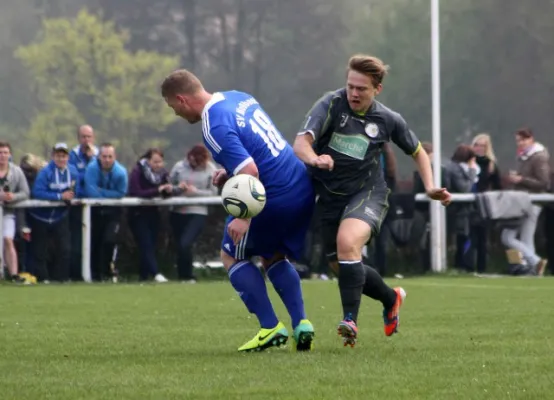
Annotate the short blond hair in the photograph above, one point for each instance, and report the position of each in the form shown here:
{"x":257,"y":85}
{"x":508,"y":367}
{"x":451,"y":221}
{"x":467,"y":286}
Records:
{"x":181,"y":81}
{"x":370,"y":66}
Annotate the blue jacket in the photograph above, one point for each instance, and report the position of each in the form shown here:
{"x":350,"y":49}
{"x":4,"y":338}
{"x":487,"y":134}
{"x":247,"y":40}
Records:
{"x":105,"y":185}
{"x":49,"y":185}
{"x":80,"y":160}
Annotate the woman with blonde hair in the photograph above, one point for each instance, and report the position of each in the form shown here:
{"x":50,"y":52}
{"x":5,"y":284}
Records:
{"x":488,"y":179}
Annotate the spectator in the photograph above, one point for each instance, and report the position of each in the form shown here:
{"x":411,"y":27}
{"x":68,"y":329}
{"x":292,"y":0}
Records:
{"x":549,"y":224}
{"x":57,"y":181}
{"x":148,"y":179}
{"x":192,"y":177}
{"x":105,"y":178}
{"x":532,"y":175}
{"x":488,"y":179}
{"x":80,"y":156}
{"x":30,"y":165}
{"x":463,"y":174}
{"x":84,"y":152}
{"x":13,"y":188}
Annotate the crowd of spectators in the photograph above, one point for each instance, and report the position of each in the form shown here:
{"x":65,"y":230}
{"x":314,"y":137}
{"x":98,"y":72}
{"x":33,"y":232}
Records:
{"x":46,"y":242}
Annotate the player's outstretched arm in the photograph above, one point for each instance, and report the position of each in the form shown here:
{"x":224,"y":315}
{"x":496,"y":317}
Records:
{"x":404,"y":138}
{"x":303,"y":148}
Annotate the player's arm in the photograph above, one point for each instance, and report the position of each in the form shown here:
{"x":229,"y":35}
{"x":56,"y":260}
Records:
{"x":408,"y":142}
{"x":315,"y":125}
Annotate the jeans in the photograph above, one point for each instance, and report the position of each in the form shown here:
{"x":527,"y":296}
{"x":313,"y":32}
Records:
{"x":186,"y":229}
{"x":43,"y":233}
{"x":145,"y":228}
{"x":479,"y":240}
{"x":549,"y":233}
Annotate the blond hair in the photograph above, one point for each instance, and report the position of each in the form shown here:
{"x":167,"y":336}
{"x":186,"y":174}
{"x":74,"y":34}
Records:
{"x":33,"y":161}
{"x":370,"y":66}
{"x":181,"y":81}
{"x":489,"y":152}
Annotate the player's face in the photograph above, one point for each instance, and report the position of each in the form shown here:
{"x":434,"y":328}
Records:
{"x":60,"y":159}
{"x":156,"y":162}
{"x":360,"y":91}
{"x":181,"y":105}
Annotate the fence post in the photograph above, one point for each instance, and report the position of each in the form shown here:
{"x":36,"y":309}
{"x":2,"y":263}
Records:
{"x":85,"y":253}
{"x":1,"y":243}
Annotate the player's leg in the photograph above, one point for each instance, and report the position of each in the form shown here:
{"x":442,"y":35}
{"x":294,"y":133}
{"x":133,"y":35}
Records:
{"x":249,"y":283}
{"x":356,"y":229}
{"x":286,"y":281}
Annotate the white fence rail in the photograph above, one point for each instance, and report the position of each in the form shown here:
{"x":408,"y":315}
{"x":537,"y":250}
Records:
{"x":86,"y":205}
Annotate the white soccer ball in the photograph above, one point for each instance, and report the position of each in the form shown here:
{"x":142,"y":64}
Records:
{"x":243,"y":196}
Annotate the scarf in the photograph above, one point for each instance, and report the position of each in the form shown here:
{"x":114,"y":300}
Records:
{"x":155,"y":178}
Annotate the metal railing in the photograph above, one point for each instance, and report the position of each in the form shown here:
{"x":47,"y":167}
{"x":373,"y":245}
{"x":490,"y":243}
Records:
{"x":86,"y":205}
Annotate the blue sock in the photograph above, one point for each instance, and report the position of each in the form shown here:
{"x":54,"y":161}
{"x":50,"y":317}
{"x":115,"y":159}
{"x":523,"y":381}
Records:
{"x":248,"y":281}
{"x":286,"y":282}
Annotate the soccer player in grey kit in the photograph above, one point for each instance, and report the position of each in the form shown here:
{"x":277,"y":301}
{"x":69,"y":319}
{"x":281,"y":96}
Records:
{"x":341,"y":140}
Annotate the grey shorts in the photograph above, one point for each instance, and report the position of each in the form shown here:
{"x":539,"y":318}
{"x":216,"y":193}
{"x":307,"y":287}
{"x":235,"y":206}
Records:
{"x":369,"y":205}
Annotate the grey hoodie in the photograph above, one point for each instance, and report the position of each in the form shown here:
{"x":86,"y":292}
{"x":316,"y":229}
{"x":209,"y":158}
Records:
{"x":18,"y":186}
{"x":201,"y":179}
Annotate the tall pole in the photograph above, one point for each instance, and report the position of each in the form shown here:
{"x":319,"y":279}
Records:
{"x":438,"y":232}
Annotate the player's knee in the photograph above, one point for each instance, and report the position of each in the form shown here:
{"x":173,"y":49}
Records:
{"x":227,"y":260}
{"x":349,"y":247}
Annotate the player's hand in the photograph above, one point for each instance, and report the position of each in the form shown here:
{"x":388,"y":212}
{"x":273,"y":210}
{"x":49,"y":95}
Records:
{"x":191,"y":190}
{"x":440,"y":194}
{"x":220,"y":177}
{"x":323,"y":161}
{"x":238,"y":228}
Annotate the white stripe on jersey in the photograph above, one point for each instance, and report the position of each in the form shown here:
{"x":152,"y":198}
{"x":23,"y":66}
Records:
{"x":216,"y":98}
{"x":207,"y":135}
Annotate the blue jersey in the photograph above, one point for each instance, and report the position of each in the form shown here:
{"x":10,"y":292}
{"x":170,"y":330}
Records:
{"x":237,"y":131}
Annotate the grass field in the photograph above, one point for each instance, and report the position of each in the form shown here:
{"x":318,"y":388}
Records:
{"x":460,"y":338}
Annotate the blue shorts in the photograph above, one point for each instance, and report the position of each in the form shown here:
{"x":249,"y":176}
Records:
{"x":275,"y":230}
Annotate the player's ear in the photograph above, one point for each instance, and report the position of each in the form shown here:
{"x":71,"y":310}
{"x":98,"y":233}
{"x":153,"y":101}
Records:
{"x":181,"y":99}
{"x":378,"y":89}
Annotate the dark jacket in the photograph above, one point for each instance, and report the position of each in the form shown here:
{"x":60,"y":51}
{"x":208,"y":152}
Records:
{"x":461,"y":181}
{"x":139,"y":186}
{"x":489,"y":176}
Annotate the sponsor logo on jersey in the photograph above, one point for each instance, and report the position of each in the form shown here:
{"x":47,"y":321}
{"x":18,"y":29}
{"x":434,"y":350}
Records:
{"x":354,"y":146}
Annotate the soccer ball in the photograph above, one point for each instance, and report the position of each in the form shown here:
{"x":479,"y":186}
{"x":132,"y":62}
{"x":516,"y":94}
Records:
{"x":243,"y":196}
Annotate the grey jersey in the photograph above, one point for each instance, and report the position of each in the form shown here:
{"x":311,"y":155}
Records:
{"x":354,"y":141}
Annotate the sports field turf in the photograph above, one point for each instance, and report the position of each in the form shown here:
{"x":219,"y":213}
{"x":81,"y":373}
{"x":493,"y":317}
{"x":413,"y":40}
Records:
{"x":460,"y":338}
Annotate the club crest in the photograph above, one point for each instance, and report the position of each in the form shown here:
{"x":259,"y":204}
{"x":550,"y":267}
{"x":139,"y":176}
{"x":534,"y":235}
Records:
{"x":372,"y":130}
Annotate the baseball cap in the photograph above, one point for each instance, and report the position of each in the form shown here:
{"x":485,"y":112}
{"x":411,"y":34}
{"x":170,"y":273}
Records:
{"x":61,"y":147}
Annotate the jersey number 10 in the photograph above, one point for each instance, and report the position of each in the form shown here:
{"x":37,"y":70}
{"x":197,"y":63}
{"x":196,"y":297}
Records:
{"x":263,"y":126}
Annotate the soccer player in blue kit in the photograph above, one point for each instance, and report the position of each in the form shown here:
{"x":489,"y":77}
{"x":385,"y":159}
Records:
{"x":244,"y":140}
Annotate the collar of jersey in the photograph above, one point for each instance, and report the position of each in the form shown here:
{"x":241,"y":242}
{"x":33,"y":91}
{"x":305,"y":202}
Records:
{"x":216,"y":98}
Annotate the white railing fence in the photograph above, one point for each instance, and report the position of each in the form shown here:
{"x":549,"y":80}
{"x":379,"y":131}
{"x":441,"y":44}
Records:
{"x":86,"y":205}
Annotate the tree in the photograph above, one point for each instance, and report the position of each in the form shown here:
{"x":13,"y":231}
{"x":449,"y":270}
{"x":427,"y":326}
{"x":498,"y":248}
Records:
{"x":82,"y":72}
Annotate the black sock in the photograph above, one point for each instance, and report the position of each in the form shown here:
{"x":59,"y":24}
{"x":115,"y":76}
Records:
{"x":351,"y":285}
{"x":376,"y":288}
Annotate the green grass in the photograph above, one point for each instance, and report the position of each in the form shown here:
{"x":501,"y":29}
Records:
{"x":460,"y":338}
